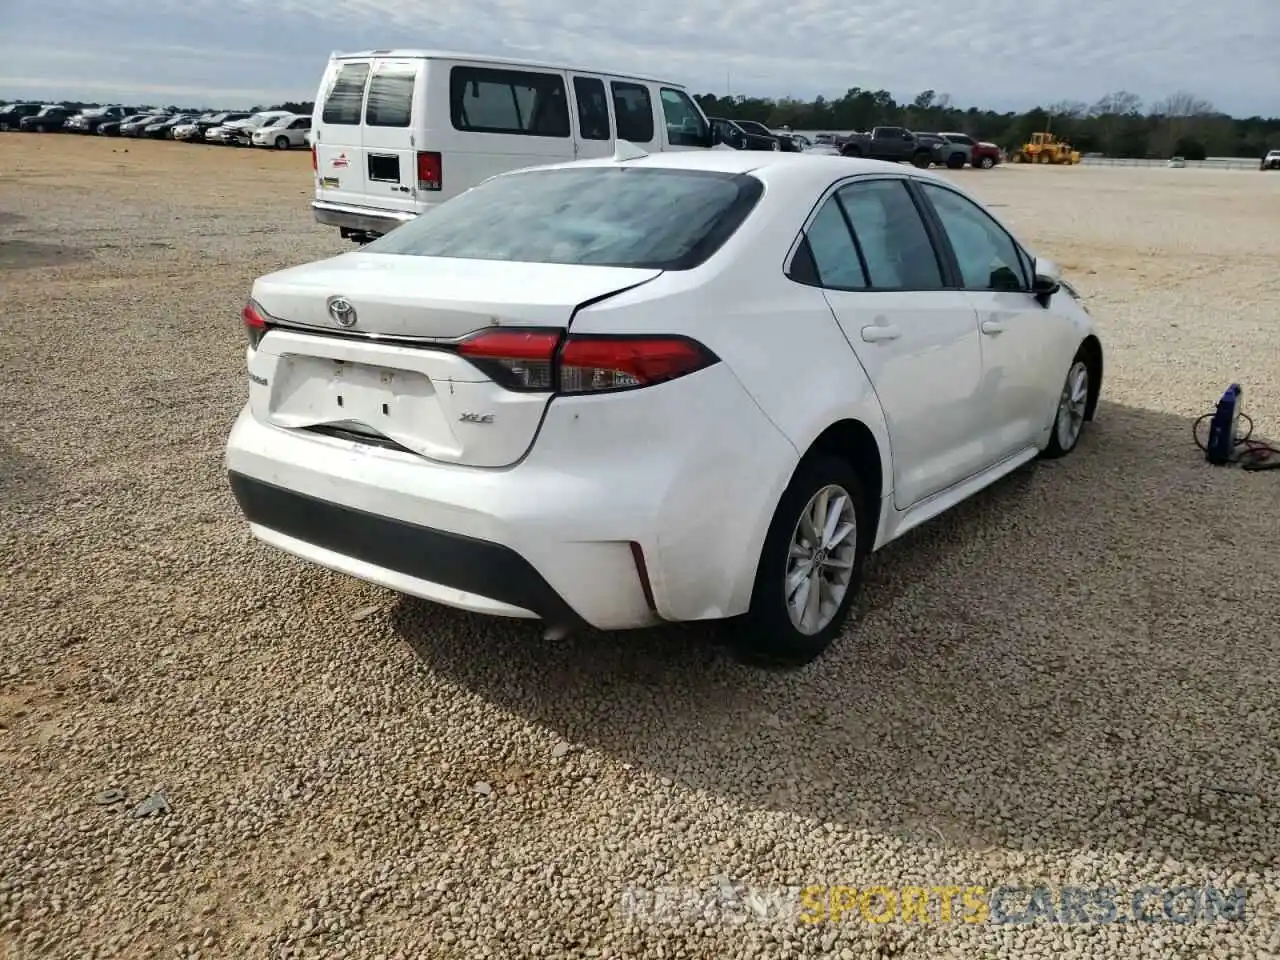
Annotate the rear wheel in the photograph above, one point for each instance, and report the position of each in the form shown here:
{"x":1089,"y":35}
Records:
{"x":955,"y":161}
{"x":922,"y":159}
{"x":809,"y":568}
{"x":986,"y":163}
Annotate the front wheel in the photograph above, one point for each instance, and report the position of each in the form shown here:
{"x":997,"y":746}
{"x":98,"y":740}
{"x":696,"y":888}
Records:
{"x":923,"y":159}
{"x":809,"y":568}
{"x":282,"y":143}
{"x":986,"y":163}
{"x":1072,"y":406}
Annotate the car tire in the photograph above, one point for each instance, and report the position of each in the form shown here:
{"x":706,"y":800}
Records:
{"x":39,"y":128}
{"x":986,"y":163}
{"x":955,"y":161}
{"x":1073,"y":407}
{"x":282,"y":143}
{"x":4,"y":128}
{"x":922,"y":159}
{"x":769,"y":634}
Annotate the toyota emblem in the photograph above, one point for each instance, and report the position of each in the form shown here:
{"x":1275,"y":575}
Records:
{"x":343,"y":313}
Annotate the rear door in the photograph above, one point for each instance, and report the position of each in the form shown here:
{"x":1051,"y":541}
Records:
{"x":592,"y":116}
{"x":390,"y":164}
{"x":340,"y":144}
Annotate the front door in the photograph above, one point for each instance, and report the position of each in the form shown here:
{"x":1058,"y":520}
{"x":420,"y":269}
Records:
{"x":1023,"y":344}
{"x":916,"y":340}
{"x":592,"y":118}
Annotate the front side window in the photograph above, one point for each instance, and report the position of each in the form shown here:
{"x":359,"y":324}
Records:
{"x":987,"y":255}
{"x":593,"y":108}
{"x":603,"y":216}
{"x":391,"y":96}
{"x":632,"y":111}
{"x":891,"y":235}
{"x":686,"y":126}
{"x":519,"y":102}
{"x":342,"y":106}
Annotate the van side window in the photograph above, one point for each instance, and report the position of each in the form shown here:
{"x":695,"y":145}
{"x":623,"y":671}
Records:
{"x":390,"y":96}
{"x":593,"y":109}
{"x":632,"y":112}
{"x":686,"y":127}
{"x":342,"y":106}
{"x":517,"y":102}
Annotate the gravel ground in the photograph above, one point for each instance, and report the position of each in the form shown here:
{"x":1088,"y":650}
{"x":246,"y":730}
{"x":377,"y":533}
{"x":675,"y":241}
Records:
{"x":1069,"y":680}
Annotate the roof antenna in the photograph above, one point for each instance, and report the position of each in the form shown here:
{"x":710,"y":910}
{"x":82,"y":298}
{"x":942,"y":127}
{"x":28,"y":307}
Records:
{"x":626,"y":150}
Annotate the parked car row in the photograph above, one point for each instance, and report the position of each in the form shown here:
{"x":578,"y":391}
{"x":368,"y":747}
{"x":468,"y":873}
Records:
{"x":278,"y":129}
{"x":953,"y":150}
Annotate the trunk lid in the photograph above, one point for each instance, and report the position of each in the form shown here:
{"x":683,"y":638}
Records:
{"x":420,"y":398}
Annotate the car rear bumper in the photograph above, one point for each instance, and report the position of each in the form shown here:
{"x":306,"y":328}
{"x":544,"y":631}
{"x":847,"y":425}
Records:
{"x":362,"y":219}
{"x":614,"y":518}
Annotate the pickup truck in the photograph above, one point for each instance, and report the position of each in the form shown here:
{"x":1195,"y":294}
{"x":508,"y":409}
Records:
{"x":895,"y":144}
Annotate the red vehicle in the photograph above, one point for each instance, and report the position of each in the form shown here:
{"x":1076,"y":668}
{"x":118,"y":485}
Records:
{"x":982,"y":154}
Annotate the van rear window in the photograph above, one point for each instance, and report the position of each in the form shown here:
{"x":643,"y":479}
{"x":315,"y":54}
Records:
{"x":342,"y":107}
{"x":508,"y":101}
{"x":390,"y":96}
{"x":613,"y":216}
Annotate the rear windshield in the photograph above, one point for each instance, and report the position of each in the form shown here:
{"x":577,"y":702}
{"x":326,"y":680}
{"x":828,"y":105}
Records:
{"x":601,"y":216}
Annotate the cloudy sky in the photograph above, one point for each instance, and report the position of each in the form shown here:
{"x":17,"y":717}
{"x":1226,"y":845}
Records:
{"x":1004,"y":54}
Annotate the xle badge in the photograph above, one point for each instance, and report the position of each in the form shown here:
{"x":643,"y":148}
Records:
{"x":476,"y":418}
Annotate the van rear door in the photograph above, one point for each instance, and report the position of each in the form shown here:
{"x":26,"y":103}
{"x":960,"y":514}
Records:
{"x":392,"y":112}
{"x":339,"y":139}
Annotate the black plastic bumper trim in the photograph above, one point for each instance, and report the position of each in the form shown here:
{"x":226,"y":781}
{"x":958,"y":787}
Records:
{"x":450,"y":559}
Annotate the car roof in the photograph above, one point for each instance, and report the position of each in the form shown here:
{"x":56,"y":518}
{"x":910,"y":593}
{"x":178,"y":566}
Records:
{"x":416,"y":54}
{"x":821,"y":166}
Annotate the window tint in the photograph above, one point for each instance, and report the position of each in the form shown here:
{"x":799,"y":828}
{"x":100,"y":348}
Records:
{"x":606,"y":216}
{"x":302,"y":123}
{"x":391,"y":96}
{"x":508,"y":101}
{"x":632,"y":112}
{"x":593,"y":108}
{"x":891,"y":235}
{"x":835,"y":258}
{"x":987,"y":255}
{"x":686,"y":127}
{"x":347,"y":94}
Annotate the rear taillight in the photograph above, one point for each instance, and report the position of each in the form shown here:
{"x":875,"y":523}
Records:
{"x":315,"y":164}
{"x":256,"y":324}
{"x":430,"y":171}
{"x":545,"y":360}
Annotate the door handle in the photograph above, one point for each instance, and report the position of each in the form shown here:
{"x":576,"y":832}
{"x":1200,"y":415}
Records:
{"x":992,"y":327}
{"x":880,"y":332}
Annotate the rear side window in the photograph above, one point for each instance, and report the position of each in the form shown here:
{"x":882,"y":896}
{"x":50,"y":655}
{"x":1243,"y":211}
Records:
{"x":508,"y":101}
{"x":891,"y":235}
{"x":390,"y":96}
{"x":632,"y":111}
{"x":686,"y":126}
{"x":593,"y":109}
{"x":601,"y":216}
{"x":835,"y":258}
{"x":342,"y":106}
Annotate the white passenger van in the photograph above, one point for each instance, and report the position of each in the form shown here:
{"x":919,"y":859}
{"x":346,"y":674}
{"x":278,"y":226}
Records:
{"x":398,"y":131}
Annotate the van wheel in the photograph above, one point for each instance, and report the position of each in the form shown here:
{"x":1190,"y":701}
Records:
{"x":809,"y":568}
{"x":282,"y":143}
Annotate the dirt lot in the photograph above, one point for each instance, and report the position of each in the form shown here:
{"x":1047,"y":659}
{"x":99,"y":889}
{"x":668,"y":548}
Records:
{"x":1069,"y":680}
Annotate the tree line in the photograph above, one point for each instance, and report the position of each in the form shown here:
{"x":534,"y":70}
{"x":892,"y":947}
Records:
{"x":1118,"y":125}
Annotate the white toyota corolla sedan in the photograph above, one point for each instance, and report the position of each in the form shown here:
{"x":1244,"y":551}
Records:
{"x":687,"y":386}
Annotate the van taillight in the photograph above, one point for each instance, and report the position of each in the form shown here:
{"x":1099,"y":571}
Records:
{"x":430,"y":174}
{"x":315,"y":164}
{"x":546,"y":360}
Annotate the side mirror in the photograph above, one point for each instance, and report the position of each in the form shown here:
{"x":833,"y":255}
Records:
{"x":1047,"y":281}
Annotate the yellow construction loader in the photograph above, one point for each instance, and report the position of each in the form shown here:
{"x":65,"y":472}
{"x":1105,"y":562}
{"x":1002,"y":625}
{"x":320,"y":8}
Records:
{"x":1043,"y":148}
